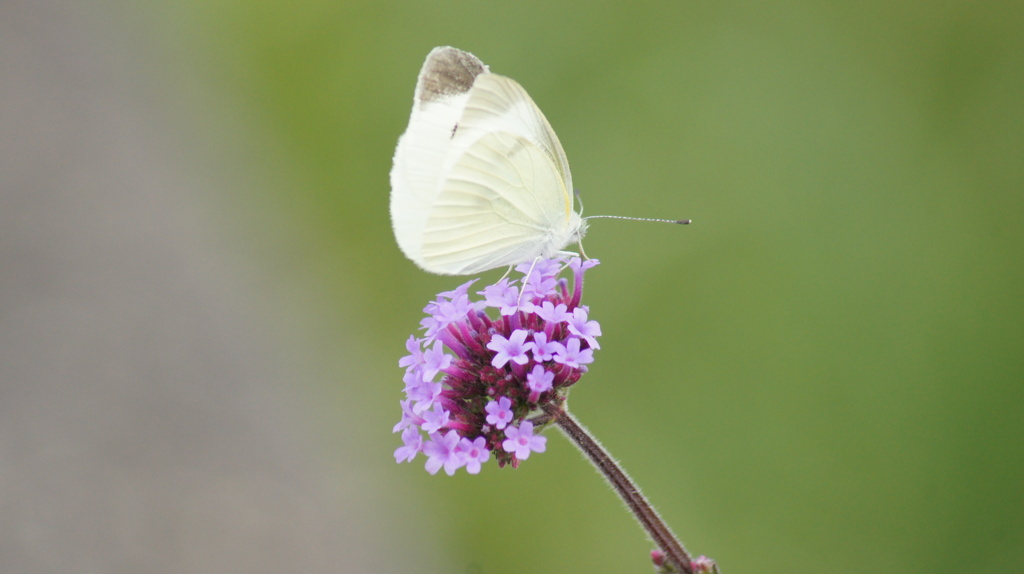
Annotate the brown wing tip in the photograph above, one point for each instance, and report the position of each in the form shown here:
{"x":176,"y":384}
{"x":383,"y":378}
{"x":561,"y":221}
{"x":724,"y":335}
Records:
{"x":447,"y":72}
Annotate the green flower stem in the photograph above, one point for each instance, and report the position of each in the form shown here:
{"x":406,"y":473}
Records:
{"x":630,"y":493}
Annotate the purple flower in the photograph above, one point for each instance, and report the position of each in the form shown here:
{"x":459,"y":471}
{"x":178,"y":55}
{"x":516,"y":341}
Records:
{"x":475,"y":453}
{"x":435,"y":419}
{"x":423,"y":393}
{"x":435,"y":360}
{"x":553,"y":313}
{"x":503,"y":296}
{"x":409,"y":418}
{"x":448,"y":307}
{"x":587,"y":330}
{"x":412,"y":443}
{"x":458,"y":291}
{"x":450,"y":311}
{"x":579,"y":267}
{"x":494,"y":371}
{"x":499,"y":412}
{"x":539,"y":381}
{"x":573,"y":356}
{"x":540,"y":277}
{"x":415,"y":356}
{"x":444,"y":451}
{"x":544,"y":350}
{"x":521,"y":442}
{"x":545,"y":268}
{"x":512,"y":349}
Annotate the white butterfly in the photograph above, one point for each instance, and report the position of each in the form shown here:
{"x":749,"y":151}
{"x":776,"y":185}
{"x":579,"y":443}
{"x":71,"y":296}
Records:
{"x":479,"y":179}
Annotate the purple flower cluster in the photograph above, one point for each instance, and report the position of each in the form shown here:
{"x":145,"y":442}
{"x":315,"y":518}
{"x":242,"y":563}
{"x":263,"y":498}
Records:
{"x":494,"y":372}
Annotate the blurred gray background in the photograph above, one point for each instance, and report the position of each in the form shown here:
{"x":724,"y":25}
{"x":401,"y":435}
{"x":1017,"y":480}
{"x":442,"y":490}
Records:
{"x":148,"y":419}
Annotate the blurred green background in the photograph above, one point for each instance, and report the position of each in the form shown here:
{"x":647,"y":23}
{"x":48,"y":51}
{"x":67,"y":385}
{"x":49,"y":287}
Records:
{"x":822,"y":374}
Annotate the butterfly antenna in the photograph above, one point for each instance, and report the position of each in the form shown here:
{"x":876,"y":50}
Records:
{"x":678,"y":221}
{"x":579,"y":200}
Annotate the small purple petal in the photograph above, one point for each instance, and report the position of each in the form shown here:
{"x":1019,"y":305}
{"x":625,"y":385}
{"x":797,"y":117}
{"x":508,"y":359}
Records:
{"x":499,"y":412}
{"x":443,"y":451}
{"x":513,"y":349}
{"x":449,"y":306}
{"x":503,"y":296}
{"x":435,"y":419}
{"x":435,"y":360}
{"x":458,"y":291}
{"x":539,"y":280}
{"x":539,"y":380}
{"x":409,"y":418}
{"x":415,"y":356}
{"x":578,"y":267}
{"x":552,"y":313}
{"x":474,"y":453}
{"x":454,"y":310}
{"x":573,"y":356}
{"x":413,"y":443}
{"x":544,"y":350}
{"x":423,"y":394}
{"x":430,"y":327}
{"x":520,"y":441}
{"x":541,"y":269}
{"x":581,"y":327}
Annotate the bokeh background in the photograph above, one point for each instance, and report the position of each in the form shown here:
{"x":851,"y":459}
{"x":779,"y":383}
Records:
{"x":202,"y":305}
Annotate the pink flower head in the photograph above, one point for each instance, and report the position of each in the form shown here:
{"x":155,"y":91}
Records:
{"x":485,"y":364}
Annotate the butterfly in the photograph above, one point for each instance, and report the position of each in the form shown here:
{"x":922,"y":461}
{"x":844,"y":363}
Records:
{"x":480,"y":179}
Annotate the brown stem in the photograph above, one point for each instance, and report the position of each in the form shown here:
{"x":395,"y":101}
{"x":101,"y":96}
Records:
{"x":656,"y":528}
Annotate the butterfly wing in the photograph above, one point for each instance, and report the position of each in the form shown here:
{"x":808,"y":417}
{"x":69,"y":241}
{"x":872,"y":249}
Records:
{"x":505,"y":195}
{"x":503,"y":184}
{"x":442,"y":91}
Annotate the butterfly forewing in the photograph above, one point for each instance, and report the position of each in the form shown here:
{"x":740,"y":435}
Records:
{"x":440,"y":97}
